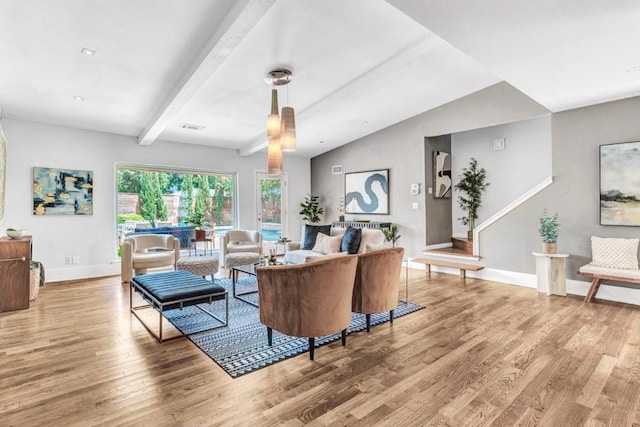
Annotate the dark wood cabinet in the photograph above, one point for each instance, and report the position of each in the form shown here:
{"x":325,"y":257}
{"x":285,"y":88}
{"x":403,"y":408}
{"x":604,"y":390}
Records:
{"x":15,"y":256}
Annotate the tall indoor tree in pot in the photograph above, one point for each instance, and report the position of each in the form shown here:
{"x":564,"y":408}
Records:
{"x":472,"y":182}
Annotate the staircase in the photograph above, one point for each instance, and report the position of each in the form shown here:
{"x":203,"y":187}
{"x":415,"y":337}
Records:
{"x":462,"y":250}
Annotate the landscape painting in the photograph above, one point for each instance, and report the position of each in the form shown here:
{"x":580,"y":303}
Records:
{"x":62,"y":192}
{"x":620,"y":184}
{"x":367,"y":192}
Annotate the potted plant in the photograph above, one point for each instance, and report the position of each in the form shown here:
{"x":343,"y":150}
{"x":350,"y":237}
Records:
{"x":472,"y":182}
{"x":310,"y":209}
{"x":391,"y":234}
{"x":549,"y":229}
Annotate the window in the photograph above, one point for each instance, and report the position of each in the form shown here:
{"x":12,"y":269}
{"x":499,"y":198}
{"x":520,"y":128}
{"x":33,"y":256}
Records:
{"x":151,"y":197}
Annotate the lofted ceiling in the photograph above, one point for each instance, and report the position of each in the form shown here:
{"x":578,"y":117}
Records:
{"x":358,"y":66}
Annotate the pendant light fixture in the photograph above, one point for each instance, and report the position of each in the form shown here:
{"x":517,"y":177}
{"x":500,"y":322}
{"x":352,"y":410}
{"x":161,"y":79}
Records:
{"x":274,"y":156}
{"x":283,"y":128}
{"x":273,"y":119}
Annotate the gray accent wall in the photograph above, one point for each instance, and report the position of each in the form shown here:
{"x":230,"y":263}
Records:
{"x":564,"y":145}
{"x":576,"y":136}
{"x":524,"y":162}
{"x":401,"y":148}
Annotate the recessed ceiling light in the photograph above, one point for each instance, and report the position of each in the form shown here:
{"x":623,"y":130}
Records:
{"x":78,"y":98}
{"x":631,"y":70}
{"x":192,"y":127}
{"x":88,"y":52}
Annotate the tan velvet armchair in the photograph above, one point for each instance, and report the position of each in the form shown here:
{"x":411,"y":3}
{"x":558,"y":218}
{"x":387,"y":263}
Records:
{"x":307,"y":300}
{"x":376,"y":284}
{"x":143,"y":251}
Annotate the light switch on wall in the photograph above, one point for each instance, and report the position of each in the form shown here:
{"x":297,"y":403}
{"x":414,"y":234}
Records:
{"x":415,"y":205}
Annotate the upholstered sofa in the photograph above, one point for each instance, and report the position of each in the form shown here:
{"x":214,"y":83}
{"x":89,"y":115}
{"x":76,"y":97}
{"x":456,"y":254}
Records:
{"x":354,"y":241}
{"x":183,"y":234}
{"x":143,"y":251}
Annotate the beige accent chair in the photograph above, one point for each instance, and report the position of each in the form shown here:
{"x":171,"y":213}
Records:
{"x":307,"y":300}
{"x":143,"y":251}
{"x":235,"y":241}
{"x":376,"y":284}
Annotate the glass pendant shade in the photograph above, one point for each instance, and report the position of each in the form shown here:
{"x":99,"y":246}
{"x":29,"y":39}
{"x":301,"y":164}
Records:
{"x":274,"y":156}
{"x":273,"y":120}
{"x":288,"y":130}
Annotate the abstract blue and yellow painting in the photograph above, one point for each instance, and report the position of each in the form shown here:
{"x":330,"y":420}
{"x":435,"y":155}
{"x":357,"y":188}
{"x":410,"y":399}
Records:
{"x":62,"y":192}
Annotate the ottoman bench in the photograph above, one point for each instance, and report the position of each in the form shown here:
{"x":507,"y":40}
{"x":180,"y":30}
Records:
{"x":199,"y":265}
{"x":176,"y":289}
{"x":236,"y":259}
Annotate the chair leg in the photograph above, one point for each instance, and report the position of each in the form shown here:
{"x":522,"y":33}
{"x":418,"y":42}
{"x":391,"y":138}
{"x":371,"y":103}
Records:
{"x":368,"y":317}
{"x":344,"y":337}
{"x":269,"y":336}
{"x":391,"y":317}
{"x":312,"y":346}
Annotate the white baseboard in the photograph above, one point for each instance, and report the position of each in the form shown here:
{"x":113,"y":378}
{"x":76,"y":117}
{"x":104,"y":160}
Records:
{"x":574,"y":287}
{"x":64,"y":274}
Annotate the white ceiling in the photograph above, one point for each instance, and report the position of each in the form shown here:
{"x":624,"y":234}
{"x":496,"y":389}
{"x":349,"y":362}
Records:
{"x":358,"y":66}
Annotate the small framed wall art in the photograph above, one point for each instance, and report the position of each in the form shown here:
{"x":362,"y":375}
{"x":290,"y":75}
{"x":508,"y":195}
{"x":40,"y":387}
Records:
{"x":367,"y":192}
{"x":62,"y":191}
{"x":441,"y":174}
{"x":620,"y":184}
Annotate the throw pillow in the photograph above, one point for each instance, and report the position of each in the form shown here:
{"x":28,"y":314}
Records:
{"x":310,"y":233}
{"x":351,"y":240}
{"x":614,"y":252}
{"x":372,"y":247}
{"x":327,"y":244}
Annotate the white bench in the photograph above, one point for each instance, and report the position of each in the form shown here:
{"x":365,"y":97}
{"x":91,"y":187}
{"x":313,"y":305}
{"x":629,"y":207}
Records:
{"x":598,"y":274}
{"x":612,"y":259}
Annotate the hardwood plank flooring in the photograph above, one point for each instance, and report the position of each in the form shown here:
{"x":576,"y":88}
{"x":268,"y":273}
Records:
{"x":480,"y":353}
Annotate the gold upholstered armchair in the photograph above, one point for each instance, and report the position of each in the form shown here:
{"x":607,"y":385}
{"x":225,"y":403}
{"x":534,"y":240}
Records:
{"x":376,"y":284}
{"x":307,"y":300}
{"x":143,"y":251}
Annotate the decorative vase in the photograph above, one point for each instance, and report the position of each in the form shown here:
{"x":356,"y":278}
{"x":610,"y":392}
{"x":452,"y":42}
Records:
{"x":549,"y":248}
{"x":470,"y":235}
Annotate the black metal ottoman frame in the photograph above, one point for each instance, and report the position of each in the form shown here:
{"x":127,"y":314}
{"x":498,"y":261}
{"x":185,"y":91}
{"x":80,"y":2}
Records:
{"x":154,"y":302}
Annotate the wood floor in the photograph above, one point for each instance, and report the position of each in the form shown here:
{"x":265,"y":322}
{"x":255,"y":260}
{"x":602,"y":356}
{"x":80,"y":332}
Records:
{"x":481,"y":353}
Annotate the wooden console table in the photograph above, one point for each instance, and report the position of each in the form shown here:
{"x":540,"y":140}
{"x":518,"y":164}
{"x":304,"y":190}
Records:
{"x":550,"y":272}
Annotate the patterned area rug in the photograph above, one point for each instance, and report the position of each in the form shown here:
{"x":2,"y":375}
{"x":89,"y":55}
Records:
{"x":242,"y":347}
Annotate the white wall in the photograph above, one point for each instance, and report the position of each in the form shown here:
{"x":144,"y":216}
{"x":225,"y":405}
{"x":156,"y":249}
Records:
{"x":524,"y":163}
{"x":93,"y":237}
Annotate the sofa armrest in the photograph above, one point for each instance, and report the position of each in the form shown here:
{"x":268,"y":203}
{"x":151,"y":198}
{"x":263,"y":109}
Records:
{"x":292,"y":246}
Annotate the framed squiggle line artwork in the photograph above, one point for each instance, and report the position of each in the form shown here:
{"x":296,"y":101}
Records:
{"x":367,"y":192}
